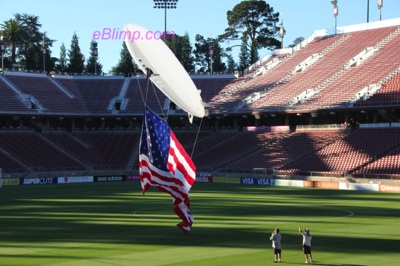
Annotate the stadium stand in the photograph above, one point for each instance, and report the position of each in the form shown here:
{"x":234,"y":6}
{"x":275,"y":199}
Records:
{"x":290,"y":147}
{"x":141,"y":90}
{"x":387,"y":95}
{"x":97,"y":93}
{"x":344,"y":155}
{"x":386,"y":165}
{"x":49,"y":97}
{"x":10,"y":100}
{"x":327,"y":107}
{"x":354,"y":79}
{"x":35,"y":152}
{"x":329,"y":65}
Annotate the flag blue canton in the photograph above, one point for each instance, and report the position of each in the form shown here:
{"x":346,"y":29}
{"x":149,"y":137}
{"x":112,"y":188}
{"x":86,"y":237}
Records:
{"x":155,"y":140}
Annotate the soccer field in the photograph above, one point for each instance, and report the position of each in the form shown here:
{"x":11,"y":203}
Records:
{"x":113,"y":224}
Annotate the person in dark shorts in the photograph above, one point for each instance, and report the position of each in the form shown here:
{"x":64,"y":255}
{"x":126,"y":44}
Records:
{"x":306,"y":244}
{"x":276,"y":244}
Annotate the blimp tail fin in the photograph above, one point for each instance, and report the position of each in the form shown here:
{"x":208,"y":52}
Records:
{"x":205,"y":104}
{"x":190,"y":118}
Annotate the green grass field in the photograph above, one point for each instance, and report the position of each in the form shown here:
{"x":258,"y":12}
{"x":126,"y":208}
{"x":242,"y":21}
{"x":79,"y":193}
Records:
{"x":113,"y":224}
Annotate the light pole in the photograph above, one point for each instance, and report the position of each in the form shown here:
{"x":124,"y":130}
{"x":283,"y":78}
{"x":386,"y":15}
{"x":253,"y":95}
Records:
{"x":3,"y":49}
{"x":367,"y":11}
{"x":44,"y":54}
{"x":211,"y":52}
{"x":95,"y":53}
{"x":335,"y":12}
{"x":165,"y":4}
{"x":282,"y":33}
{"x":380,"y":5}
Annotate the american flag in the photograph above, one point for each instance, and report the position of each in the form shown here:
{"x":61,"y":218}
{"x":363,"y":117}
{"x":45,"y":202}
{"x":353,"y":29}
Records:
{"x":164,"y":163}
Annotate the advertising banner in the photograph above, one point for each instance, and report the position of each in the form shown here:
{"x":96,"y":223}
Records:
{"x":287,"y":183}
{"x":132,"y":178}
{"x":204,"y":179}
{"x":389,"y":188}
{"x":357,"y":186}
{"x":10,"y":182}
{"x":114,"y":178}
{"x":222,"y":179}
{"x":321,"y":184}
{"x":38,"y":181}
{"x":256,"y":181}
{"x":75,"y":179}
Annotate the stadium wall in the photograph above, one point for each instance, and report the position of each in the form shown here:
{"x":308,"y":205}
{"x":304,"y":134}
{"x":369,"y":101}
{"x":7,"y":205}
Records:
{"x":246,"y":181}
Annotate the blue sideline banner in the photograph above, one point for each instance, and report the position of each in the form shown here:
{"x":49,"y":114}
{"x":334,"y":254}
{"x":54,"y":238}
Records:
{"x":256,"y":181}
{"x":38,"y":181}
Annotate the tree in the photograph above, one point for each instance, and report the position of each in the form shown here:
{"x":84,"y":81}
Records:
{"x":15,"y":34}
{"x":125,"y":64}
{"x":244,"y":56}
{"x":186,"y":54}
{"x":33,"y":47}
{"x":76,"y":58}
{"x":29,"y":46}
{"x":231,"y":65}
{"x":296,"y":42}
{"x":181,"y":47}
{"x":62,"y":62}
{"x":218,"y":54}
{"x":202,"y":55}
{"x":255,"y":22}
{"x":93,"y":65}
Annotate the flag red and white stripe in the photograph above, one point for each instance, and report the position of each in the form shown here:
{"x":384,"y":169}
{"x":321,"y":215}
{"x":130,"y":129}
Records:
{"x":164,"y":163}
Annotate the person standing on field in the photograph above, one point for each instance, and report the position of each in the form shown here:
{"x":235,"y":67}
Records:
{"x":276,"y":244}
{"x":306,"y":244}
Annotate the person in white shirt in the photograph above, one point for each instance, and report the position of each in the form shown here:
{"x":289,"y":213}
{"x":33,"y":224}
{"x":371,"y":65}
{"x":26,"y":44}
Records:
{"x":276,"y":244}
{"x":306,"y":244}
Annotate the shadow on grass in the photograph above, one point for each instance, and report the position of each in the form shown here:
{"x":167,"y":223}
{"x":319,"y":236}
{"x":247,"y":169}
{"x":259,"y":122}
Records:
{"x":322,"y":264}
{"x":232,"y":216}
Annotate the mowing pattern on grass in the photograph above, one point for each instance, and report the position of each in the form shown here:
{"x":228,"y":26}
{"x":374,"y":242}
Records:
{"x":113,"y":224}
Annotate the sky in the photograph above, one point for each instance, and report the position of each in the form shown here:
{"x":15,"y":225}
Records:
{"x":60,"y":19}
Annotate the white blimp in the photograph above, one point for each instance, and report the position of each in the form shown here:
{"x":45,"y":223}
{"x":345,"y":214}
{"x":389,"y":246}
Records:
{"x":155,"y":59}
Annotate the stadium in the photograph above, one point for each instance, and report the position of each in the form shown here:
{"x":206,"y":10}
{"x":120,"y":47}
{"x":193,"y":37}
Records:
{"x":327,"y":107}
{"x":307,"y":121}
